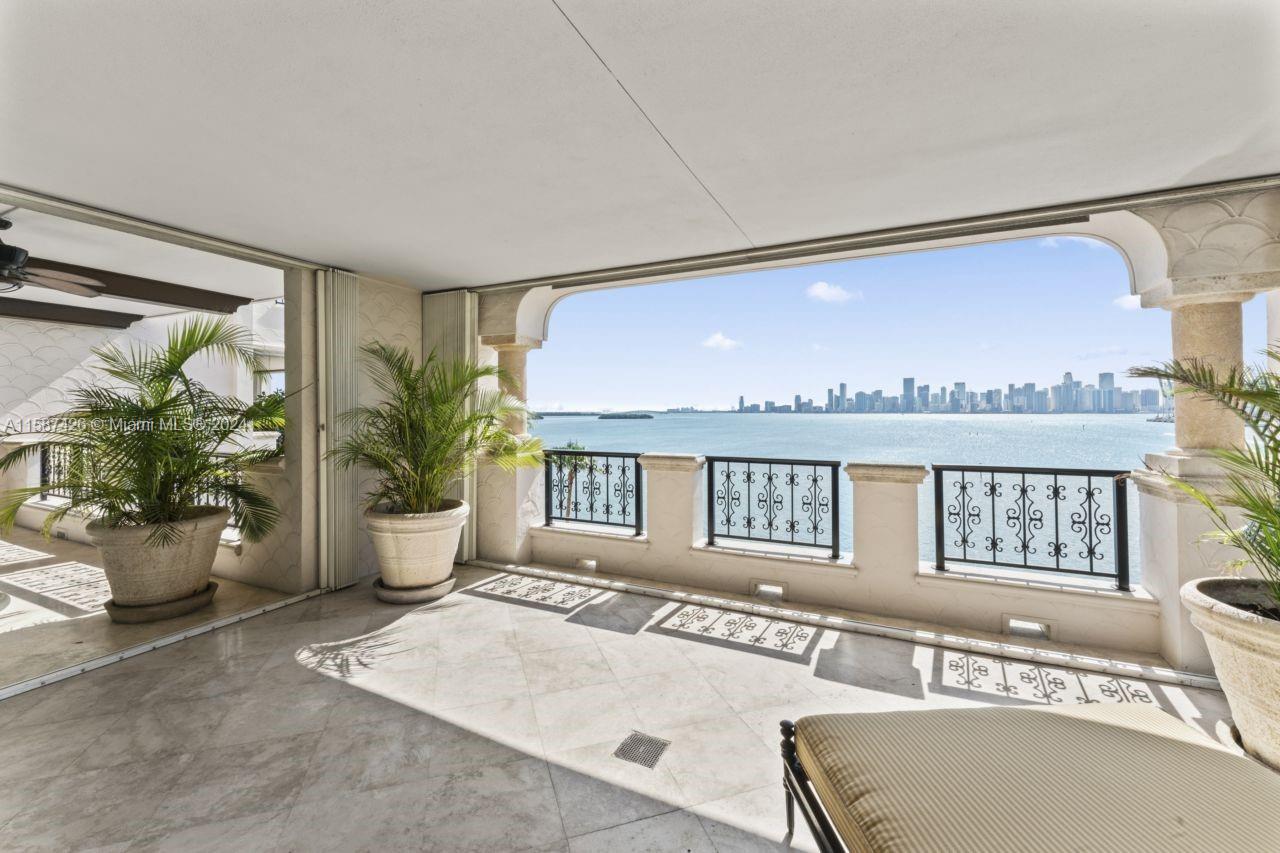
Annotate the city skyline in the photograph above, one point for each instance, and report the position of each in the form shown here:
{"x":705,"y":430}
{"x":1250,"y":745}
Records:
{"x":1070,"y":395}
{"x":978,"y":313}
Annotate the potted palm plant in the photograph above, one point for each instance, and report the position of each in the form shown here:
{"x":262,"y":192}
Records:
{"x":154,"y":458}
{"x":434,"y":424}
{"x":1238,"y":616}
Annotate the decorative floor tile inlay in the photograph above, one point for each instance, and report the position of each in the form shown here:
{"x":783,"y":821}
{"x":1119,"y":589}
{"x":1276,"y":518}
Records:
{"x":10,"y":553}
{"x":743,"y":631}
{"x":557,"y":596}
{"x":1037,"y":683}
{"x":77,"y":585}
{"x":642,"y":749}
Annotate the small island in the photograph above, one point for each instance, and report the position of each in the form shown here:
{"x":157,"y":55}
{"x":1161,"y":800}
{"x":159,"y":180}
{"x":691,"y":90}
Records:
{"x":626,"y":416}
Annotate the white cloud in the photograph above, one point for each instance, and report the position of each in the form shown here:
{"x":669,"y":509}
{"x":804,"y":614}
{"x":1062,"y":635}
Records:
{"x":720,"y":341}
{"x":1129,"y":302}
{"x":824,"y":292}
{"x":1063,"y":239}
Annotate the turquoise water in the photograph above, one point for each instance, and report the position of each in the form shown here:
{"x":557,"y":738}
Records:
{"x":1067,"y":441}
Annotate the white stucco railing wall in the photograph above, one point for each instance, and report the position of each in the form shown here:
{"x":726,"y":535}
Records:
{"x":885,"y":576}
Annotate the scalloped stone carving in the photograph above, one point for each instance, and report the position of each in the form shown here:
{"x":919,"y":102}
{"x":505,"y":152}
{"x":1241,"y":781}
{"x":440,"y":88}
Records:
{"x":1235,"y":234}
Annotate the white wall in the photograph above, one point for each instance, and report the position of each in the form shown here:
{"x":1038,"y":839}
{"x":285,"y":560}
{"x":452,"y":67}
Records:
{"x":41,"y":363}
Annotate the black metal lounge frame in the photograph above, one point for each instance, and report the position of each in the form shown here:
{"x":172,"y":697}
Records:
{"x":798,"y":787}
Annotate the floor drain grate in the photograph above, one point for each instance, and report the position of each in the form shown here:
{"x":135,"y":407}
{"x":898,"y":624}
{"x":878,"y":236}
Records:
{"x":642,"y":749}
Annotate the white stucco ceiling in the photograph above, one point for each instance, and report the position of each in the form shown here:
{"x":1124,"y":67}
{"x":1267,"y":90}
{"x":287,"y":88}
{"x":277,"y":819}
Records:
{"x":466,"y":143}
{"x":58,"y":239}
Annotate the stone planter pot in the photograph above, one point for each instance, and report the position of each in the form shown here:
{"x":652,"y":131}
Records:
{"x":416,"y":551}
{"x":1245,"y":648}
{"x":142,"y":575}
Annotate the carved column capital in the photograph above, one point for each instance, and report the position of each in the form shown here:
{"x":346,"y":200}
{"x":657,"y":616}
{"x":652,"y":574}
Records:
{"x":1222,"y":249}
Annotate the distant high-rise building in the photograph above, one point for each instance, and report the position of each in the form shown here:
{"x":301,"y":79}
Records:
{"x":842,"y":399}
{"x":769,"y":406}
{"x":797,"y":406}
{"x":960,"y":398}
{"x":741,"y":403}
{"x":908,"y":394}
{"x":831,"y":399}
{"x":922,"y":398}
{"x":1106,"y":381}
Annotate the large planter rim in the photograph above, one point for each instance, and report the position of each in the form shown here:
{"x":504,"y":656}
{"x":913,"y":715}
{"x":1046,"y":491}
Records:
{"x":1213,"y":597}
{"x":451,"y":506}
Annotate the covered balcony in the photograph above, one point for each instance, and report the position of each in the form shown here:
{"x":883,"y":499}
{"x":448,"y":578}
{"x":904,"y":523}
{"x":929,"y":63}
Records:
{"x":631,"y":631}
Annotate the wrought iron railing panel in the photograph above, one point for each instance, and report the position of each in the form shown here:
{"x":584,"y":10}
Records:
{"x":1063,"y":520}
{"x":787,"y":501}
{"x":56,"y":462}
{"x":594,"y":488}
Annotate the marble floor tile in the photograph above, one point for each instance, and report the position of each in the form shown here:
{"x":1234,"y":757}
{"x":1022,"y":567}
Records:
{"x":469,"y":645}
{"x":675,"y":698}
{"x":754,"y":822}
{"x":674,"y":831}
{"x":390,"y":818}
{"x":41,"y":750}
{"x":644,"y":654}
{"x":714,"y":759}
{"x":490,"y":733}
{"x":597,"y":790}
{"x":364,"y":756}
{"x":234,"y":781}
{"x":508,"y":806}
{"x":255,"y":832}
{"x":152,"y":731}
{"x":584,"y":715}
{"x":281,"y":711}
{"x":458,"y":685}
{"x":540,"y":635}
{"x":562,"y":668}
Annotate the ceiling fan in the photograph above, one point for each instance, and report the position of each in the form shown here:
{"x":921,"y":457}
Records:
{"x":15,"y":274}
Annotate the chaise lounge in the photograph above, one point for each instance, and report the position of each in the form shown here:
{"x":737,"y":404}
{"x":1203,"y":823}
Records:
{"x":1079,"y":778}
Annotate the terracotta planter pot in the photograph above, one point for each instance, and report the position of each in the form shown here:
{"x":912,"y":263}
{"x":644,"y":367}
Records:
{"x":1245,"y":648}
{"x":142,"y":574}
{"x":417,"y":550}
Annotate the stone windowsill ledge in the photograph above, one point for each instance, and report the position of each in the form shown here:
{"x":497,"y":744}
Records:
{"x":744,"y":549}
{"x":1137,"y":599}
{"x":590,"y":531}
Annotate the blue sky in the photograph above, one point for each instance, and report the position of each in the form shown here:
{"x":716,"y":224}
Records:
{"x":1017,"y":311}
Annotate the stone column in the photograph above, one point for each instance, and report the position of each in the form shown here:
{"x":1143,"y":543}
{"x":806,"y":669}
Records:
{"x":886,"y":517}
{"x":1220,"y":253}
{"x":513,"y":353}
{"x":1210,"y":333}
{"x":509,"y":503}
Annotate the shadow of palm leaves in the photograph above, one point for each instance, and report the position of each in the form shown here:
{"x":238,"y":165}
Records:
{"x":347,"y":658}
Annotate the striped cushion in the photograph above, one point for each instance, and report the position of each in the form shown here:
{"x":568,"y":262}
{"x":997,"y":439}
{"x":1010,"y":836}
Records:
{"x":1078,"y":778}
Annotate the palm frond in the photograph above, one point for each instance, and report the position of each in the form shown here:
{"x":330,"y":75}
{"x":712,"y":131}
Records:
{"x":431,"y":426}
{"x":1252,"y":481}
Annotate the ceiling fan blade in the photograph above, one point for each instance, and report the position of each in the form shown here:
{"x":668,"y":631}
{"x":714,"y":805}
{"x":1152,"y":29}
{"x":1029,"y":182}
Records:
{"x":59,"y":285}
{"x":63,"y":276}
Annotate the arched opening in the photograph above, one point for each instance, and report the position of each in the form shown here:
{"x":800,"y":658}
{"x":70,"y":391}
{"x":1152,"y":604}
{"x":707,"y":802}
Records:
{"x":1010,"y":353}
